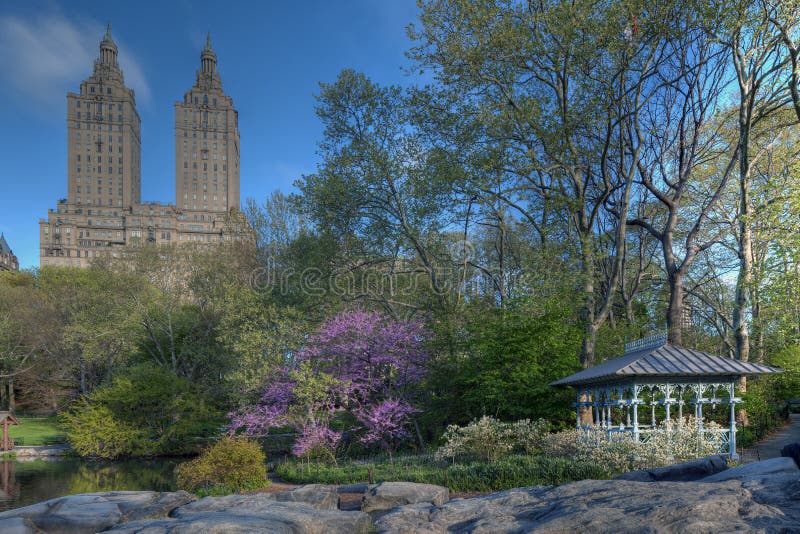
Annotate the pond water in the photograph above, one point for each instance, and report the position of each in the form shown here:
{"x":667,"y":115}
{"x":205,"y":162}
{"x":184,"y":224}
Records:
{"x":31,"y":481}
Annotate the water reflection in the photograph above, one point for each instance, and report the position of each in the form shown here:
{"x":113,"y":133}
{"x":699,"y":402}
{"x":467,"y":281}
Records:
{"x":28,"y":482}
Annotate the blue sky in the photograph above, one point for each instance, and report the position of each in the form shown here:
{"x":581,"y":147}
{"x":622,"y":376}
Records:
{"x":271,"y":56}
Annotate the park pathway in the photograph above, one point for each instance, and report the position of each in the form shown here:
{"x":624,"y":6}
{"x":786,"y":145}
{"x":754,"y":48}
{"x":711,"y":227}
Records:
{"x":771,"y":446}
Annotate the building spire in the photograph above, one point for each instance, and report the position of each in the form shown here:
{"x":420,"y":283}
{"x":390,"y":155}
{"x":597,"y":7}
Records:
{"x":208,"y":59}
{"x":108,"y":48}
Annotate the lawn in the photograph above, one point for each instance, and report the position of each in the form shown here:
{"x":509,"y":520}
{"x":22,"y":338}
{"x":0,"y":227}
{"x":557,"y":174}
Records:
{"x":509,"y":472}
{"x":37,"y":431}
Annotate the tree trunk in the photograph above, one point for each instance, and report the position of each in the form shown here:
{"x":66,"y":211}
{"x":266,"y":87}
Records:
{"x":675,"y":308}
{"x":744,"y":280}
{"x":588,"y":311}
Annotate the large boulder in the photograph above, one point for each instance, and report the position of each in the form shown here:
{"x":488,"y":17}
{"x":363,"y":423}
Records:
{"x":388,"y":495}
{"x":273,"y":517}
{"x":693,"y":470}
{"x":76,"y":514}
{"x":600,"y":506}
{"x":755,"y":469}
{"x":94,"y":512}
{"x":319,"y":496}
{"x":17,"y":525}
{"x":792,"y":451}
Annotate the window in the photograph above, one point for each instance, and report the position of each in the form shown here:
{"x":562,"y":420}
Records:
{"x":78,"y":104}
{"x":205,"y":100}
{"x":119,"y":107}
{"x":79,"y":115}
{"x":92,"y":89}
{"x":108,"y":91}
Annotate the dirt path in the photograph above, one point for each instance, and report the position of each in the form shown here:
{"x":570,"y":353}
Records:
{"x":771,"y":446}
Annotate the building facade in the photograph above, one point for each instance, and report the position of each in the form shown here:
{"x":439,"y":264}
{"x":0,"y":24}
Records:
{"x":103,"y":211}
{"x":8,"y":261}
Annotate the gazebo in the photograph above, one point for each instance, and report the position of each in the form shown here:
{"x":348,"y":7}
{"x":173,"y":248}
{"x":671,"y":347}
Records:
{"x":654,"y":373}
{"x":7,"y":419}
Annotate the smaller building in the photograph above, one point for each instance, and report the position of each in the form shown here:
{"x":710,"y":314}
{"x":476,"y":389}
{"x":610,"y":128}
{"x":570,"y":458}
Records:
{"x":663,"y":379}
{"x":8,"y":261}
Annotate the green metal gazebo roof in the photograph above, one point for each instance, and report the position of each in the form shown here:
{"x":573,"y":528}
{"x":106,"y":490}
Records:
{"x":664,"y":360}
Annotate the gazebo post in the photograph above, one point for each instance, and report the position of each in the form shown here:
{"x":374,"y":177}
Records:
{"x":596,"y":402}
{"x":635,"y":412}
{"x":578,"y":409}
{"x":732,"y":437}
{"x":652,"y":408}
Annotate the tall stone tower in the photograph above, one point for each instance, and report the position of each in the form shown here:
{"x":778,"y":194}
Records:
{"x":104,"y":137}
{"x":206,"y":143}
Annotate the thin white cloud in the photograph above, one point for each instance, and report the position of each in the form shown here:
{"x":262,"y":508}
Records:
{"x":48,"y":56}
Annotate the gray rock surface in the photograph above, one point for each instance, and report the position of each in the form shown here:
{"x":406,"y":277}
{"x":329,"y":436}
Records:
{"x":279,"y":517}
{"x":759,"y":497}
{"x":388,"y":495}
{"x":319,"y":496}
{"x":694,"y":470}
{"x":94,"y":512}
{"x":17,"y":525}
{"x":766,"y":467}
{"x":614,"y":506}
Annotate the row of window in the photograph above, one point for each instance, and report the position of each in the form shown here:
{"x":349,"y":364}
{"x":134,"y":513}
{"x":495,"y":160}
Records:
{"x":205,"y":100}
{"x":98,"y":169}
{"x":99,"y":127}
{"x":97,"y":139}
{"x":99,"y":159}
{"x":205,"y":134}
{"x":205,"y":197}
{"x":99,"y":105}
{"x":99,"y":117}
{"x":99,"y":181}
{"x":99,"y":89}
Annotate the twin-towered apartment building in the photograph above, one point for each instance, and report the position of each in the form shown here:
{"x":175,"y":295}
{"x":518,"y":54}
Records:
{"x":103,"y":210}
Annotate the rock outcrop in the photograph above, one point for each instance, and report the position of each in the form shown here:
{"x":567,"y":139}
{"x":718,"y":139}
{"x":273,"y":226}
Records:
{"x":685,"y":472}
{"x":94,"y":512}
{"x":611,"y":506}
{"x":758,"y":497}
{"x":386,"y":496}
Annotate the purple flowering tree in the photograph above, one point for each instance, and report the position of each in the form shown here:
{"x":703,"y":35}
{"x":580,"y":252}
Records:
{"x":358,"y":362}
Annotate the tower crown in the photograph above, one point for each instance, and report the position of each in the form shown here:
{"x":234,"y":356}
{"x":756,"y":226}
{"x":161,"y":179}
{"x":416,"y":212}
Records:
{"x":208,"y":59}
{"x":108,"y":48}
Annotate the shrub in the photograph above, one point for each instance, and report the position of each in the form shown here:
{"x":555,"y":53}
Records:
{"x":490,"y":439}
{"x":144,"y":411}
{"x":509,"y":472}
{"x":227,"y":466}
{"x":673,"y":442}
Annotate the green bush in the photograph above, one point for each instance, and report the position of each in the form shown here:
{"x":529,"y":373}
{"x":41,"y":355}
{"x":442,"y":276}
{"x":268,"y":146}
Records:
{"x":228,"y":466}
{"x":509,"y":472}
{"x":147,"y":411}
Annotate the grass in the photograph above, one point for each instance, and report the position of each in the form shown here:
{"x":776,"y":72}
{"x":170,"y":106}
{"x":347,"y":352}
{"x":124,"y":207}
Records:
{"x":509,"y":472}
{"x":37,"y":431}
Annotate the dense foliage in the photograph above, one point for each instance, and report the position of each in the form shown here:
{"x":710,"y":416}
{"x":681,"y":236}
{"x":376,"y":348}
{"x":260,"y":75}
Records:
{"x":509,"y":472}
{"x":145,"y":411}
{"x":227,"y":466}
{"x":359,"y":367}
